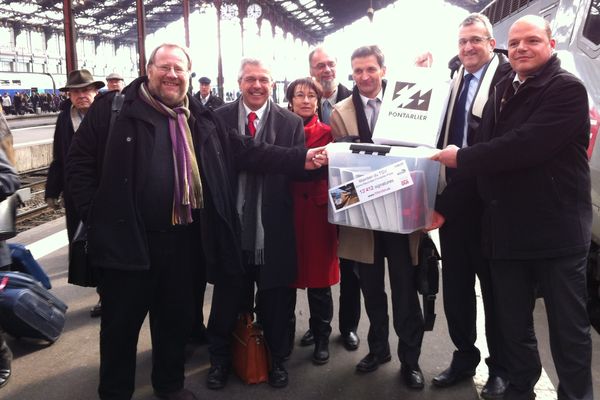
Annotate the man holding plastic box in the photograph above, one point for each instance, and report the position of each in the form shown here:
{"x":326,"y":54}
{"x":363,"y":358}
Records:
{"x":358,"y":115}
{"x":460,"y":209}
{"x":533,"y":175}
{"x":323,"y":69}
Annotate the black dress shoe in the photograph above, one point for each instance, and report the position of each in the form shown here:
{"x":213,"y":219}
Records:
{"x":494,"y":388}
{"x":371,"y":362}
{"x":452,"y":376}
{"x":321,"y":353}
{"x":182,"y":394}
{"x":96,"y":311}
{"x":217,"y":377}
{"x":412,"y":377}
{"x":5,"y":363}
{"x":351,"y":341}
{"x":307,"y":339}
{"x":278,"y":376}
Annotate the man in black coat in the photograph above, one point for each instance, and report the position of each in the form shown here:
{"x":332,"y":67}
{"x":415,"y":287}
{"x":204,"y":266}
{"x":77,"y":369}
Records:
{"x":265,"y":206}
{"x":323,"y":68}
{"x":156,"y":195}
{"x":459,"y":210}
{"x":533,"y":176}
{"x":205,"y":95}
{"x":81,"y":89}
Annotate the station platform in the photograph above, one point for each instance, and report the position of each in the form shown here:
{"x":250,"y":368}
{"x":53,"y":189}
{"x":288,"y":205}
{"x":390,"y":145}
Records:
{"x":68,"y":369}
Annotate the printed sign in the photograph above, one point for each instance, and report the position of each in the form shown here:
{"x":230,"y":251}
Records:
{"x":413,"y":108}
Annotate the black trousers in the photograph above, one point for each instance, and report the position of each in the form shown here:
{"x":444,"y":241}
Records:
{"x":164,"y":291}
{"x":462,"y":262}
{"x":563,"y":283}
{"x":408,"y":318}
{"x":349,"y":313}
{"x":272,"y":310}
{"x":320,"y":305}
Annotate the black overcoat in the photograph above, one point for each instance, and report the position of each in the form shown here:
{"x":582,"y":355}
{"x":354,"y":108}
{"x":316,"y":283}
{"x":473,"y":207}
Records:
{"x":280,"y":267}
{"x":532,"y":167}
{"x":108,"y":201}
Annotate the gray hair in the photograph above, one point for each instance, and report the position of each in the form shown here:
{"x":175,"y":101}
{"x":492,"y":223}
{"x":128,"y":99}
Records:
{"x":474,"y":18}
{"x":253,"y":61}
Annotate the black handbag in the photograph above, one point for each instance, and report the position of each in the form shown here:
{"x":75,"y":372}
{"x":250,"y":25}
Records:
{"x":8,"y":216}
{"x":81,"y":272}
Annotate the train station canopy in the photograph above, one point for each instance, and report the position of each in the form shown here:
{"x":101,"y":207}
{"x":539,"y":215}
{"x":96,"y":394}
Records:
{"x":115,"y":20}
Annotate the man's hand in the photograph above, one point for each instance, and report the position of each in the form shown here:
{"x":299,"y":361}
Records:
{"x":53,"y":203}
{"x":424,"y":60}
{"x":315,"y":158}
{"x":437,"y":220}
{"x":447,"y":156}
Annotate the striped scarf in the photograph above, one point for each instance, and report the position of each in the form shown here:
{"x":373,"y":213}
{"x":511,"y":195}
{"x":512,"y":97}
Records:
{"x":187,"y":185}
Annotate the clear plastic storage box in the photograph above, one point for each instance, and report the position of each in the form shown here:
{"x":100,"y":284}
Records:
{"x":385,"y":188}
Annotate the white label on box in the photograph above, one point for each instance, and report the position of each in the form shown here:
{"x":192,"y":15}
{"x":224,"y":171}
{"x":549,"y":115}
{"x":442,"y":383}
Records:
{"x":370,"y":186}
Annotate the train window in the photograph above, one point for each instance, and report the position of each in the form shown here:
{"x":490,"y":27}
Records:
{"x":16,"y":82}
{"x":591,"y":29}
{"x":4,"y":82}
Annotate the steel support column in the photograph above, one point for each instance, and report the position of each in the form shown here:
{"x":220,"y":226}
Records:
{"x":186,"y":22}
{"x":70,"y":36}
{"x":141,"y":36}
{"x":220,"y":79}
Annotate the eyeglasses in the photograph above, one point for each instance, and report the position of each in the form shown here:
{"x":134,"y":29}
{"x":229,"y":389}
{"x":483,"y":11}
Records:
{"x":165,"y":69}
{"x":323,"y":65}
{"x":475,"y":40}
{"x":302,"y":96}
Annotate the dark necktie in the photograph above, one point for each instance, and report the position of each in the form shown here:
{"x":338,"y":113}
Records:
{"x":326,"y":111}
{"x":457,"y":126}
{"x":251,"y":126}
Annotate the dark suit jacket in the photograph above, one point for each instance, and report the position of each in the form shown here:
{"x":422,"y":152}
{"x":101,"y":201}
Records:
{"x":213,"y":101}
{"x":342,"y":93}
{"x":532,"y":167}
{"x":459,"y":200}
{"x":277,"y":206}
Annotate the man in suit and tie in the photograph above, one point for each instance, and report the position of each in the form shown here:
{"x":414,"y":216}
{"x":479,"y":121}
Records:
{"x":323,"y":69}
{"x":459,"y":209}
{"x":358,"y":115}
{"x":265,"y":209}
{"x":206,"y":97}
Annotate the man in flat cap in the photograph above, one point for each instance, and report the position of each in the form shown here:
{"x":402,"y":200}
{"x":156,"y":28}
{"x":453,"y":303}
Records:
{"x":81,"y":89}
{"x":115,"y":81}
{"x":205,"y":95}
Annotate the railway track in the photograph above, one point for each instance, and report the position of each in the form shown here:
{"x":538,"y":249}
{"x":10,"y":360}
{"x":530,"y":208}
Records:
{"x":34,"y":210}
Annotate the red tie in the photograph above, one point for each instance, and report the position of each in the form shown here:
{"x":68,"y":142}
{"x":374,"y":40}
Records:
{"x":251,"y":126}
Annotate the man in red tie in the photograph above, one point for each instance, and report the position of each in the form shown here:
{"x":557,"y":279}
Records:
{"x":264,"y":205}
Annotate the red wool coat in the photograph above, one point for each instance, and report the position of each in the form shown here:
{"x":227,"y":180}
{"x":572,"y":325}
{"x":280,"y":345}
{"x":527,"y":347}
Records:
{"x":316,"y":239}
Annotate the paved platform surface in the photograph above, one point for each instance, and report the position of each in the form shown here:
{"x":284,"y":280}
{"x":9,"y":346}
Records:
{"x":68,"y":369}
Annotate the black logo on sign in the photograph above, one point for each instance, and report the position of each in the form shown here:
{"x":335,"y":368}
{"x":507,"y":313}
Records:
{"x":411,"y":97}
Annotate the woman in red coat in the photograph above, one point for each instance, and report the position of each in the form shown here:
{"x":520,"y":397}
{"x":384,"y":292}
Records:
{"x":316,"y":239}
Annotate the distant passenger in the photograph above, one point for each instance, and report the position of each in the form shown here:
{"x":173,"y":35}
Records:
{"x":530,"y":160}
{"x":358,"y":114}
{"x":115,"y":81}
{"x":323,"y":68}
{"x":82,"y":89}
{"x":460,"y":206}
{"x":160,"y":204}
{"x":205,"y":95}
{"x":6,"y":104}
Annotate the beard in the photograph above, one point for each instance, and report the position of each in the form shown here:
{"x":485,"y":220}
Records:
{"x":328,"y":86}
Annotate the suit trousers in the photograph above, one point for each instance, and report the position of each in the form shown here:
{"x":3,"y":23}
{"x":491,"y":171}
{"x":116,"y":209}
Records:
{"x":349,"y":313}
{"x":272,"y":310}
{"x":164,"y":291}
{"x":408,"y":317}
{"x":562,"y":281}
{"x":462,"y":261}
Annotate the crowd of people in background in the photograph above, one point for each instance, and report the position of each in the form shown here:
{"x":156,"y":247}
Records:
{"x":22,"y":103}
